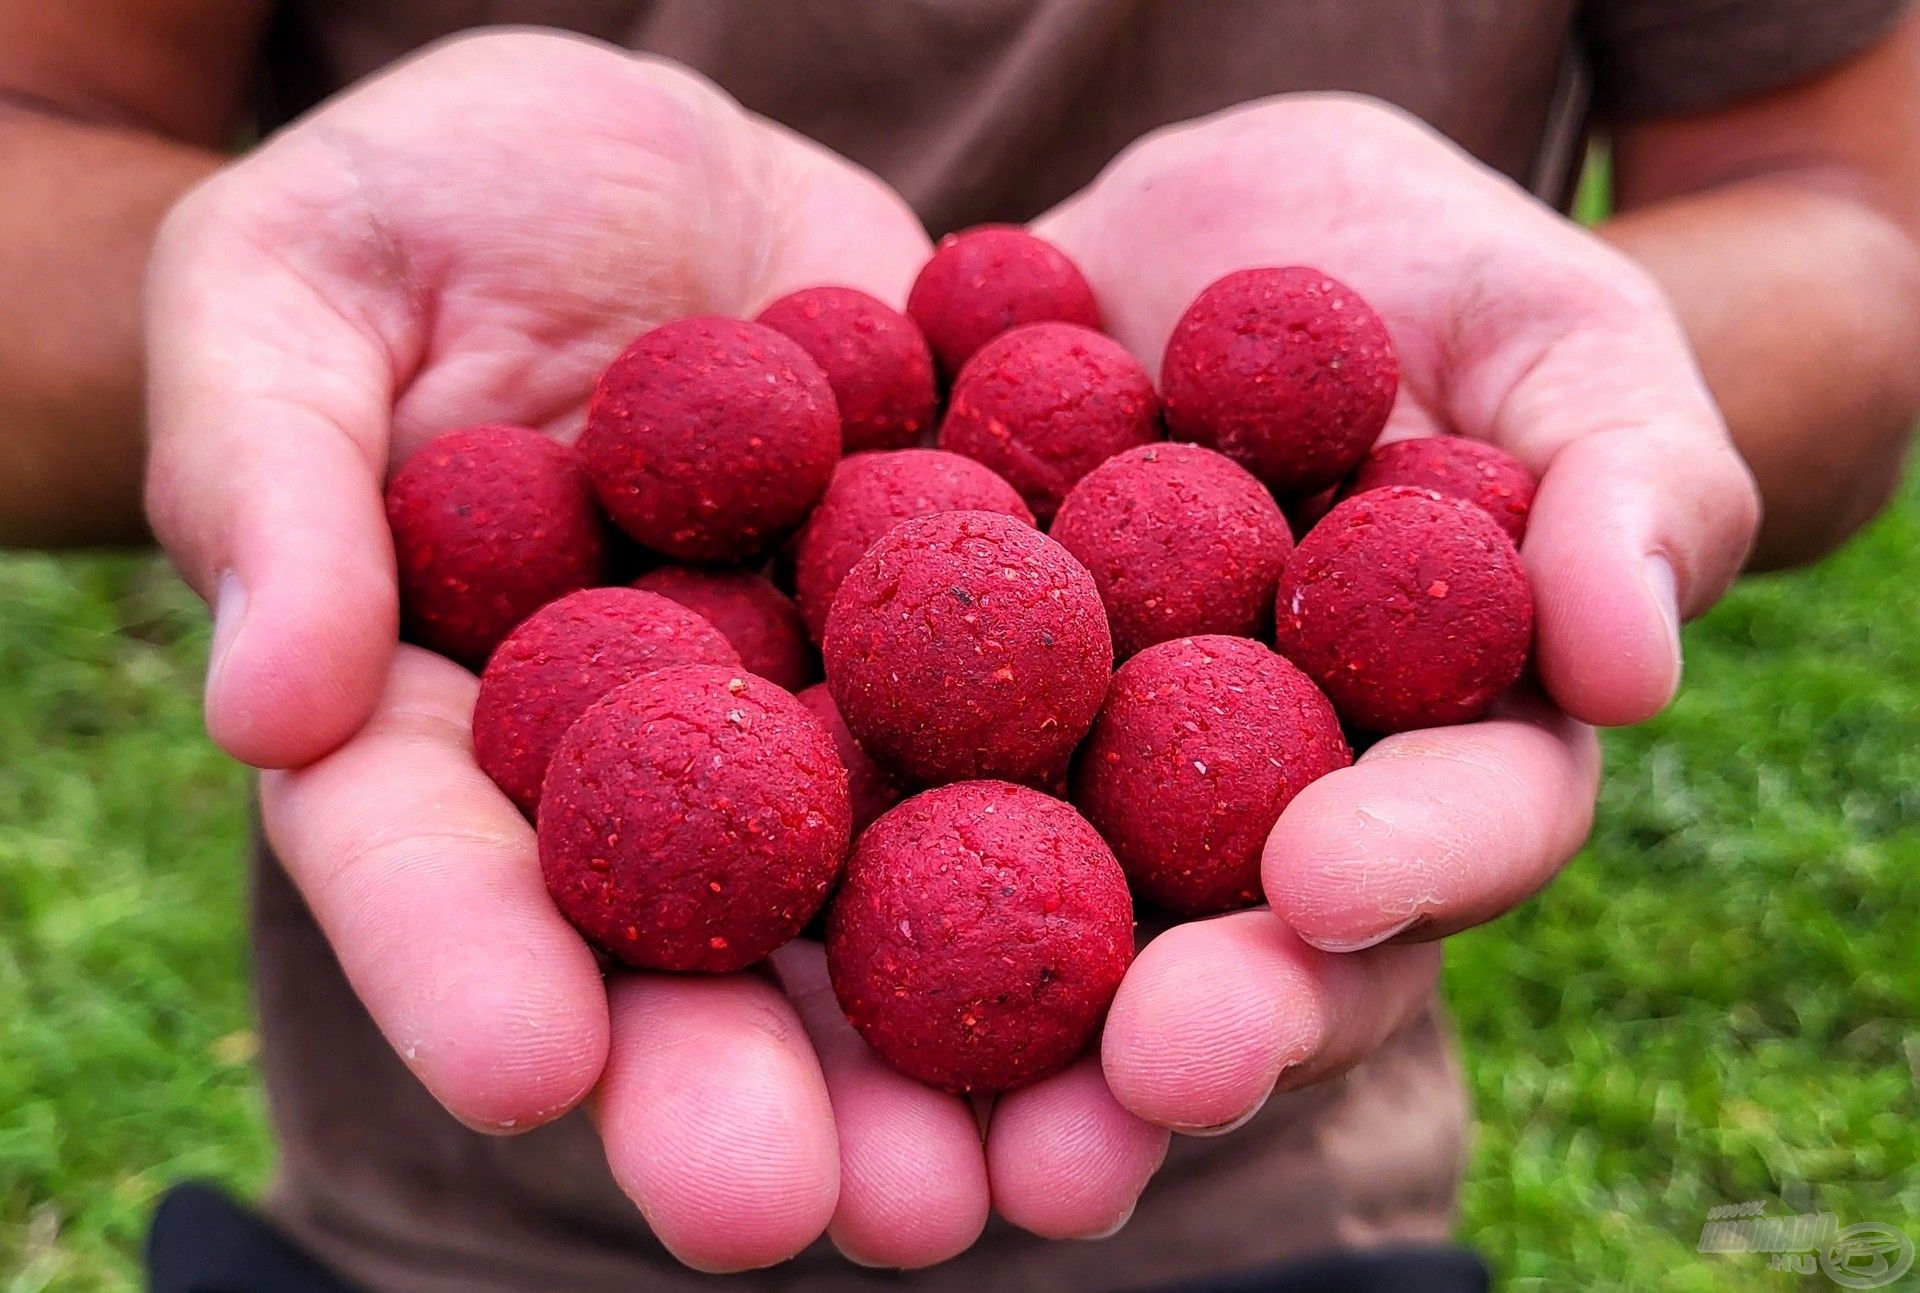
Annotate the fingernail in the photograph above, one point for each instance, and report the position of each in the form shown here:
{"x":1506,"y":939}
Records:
{"x":1362,"y":943}
{"x":1664,"y":589}
{"x":1223,"y":1128}
{"x":229,"y":609}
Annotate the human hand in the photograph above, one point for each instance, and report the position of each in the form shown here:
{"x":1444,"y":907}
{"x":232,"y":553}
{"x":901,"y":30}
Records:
{"x":471,"y":238}
{"x":1512,"y":325}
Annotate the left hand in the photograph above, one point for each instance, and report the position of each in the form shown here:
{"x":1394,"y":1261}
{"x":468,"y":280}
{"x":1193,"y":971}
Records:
{"x":1512,"y":325}
{"x":472,"y":236}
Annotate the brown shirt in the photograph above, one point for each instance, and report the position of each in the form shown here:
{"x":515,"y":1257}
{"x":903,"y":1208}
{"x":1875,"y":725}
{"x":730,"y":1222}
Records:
{"x":981,"y":110}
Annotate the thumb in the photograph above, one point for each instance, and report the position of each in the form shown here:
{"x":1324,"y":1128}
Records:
{"x":268,"y":412}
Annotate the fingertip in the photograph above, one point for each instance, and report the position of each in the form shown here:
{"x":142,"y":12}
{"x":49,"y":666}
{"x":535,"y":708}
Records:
{"x":1433,"y":831}
{"x":1358,"y":858}
{"x":716,"y":1120}
{"x":1208,"y":1016}
{"x":1634,"y":529}
{"x":305,"y":630}
{"x":913,"y":1174}
{"x":425,"y":880}
{"x":489,"y":997}
{"x":1067,"y":1161}
{"x":922,"y":1222}
{"x":508,"y":1055}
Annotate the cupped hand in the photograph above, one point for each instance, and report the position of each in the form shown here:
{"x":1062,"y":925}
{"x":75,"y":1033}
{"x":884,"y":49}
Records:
{"x":1514,"y":326}
{"x":468,"y":238}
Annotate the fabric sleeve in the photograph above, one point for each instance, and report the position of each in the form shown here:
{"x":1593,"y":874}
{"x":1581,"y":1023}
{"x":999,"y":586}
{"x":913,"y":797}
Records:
{"x":1658,"y":58}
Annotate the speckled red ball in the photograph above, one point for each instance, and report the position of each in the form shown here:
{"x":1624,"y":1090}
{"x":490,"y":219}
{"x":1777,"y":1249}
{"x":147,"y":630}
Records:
{"x":1487,"y":476}
{"x":1286,"y":371}
{"x":1201,"y":744}
{"x":870,"y":788}
{"x":874,"y":358}
{"x":981,"y":281}
{"x":1409,"y":608}
{"x":564,"y":657}
{"x":693,"y":820}
{"x":759,"y":620}
{"x":709,"y":438}
{"x":979,"y":936}
{"x":489,"y":524}
{"x":968,"y":645}
{"x":869,"y":494}
{"x":1045,"y":404}
{"x":1181,"y":540}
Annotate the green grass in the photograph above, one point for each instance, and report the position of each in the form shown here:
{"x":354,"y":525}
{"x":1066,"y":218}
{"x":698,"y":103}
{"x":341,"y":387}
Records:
{"x":1717,"y":1002}
{"x":124,"y":1027}
{"x":1721,"y":998}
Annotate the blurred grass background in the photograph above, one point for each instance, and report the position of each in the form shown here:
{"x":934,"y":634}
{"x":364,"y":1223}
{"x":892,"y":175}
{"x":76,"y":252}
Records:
{"x":1719,"y":1000}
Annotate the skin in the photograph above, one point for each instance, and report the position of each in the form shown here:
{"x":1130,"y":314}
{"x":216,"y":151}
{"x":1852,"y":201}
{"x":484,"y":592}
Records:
{"x":321,"y":306}
{"x":107,"y":113}
{"x":1814,"y":360}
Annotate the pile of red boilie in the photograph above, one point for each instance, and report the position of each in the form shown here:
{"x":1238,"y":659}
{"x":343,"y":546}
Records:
{"x":975,"y":794}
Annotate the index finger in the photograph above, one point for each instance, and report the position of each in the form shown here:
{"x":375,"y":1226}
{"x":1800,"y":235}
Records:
{"x":424,"y":879}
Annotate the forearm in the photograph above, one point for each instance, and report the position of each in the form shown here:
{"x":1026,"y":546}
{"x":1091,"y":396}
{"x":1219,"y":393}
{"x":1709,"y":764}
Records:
{"x":1803,"y":306}
{"x":79,"y":208}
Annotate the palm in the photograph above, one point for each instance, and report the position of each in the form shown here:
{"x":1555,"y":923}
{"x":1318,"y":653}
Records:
{"x":504,"y":216}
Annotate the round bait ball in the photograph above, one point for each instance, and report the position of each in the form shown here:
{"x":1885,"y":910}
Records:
{"x":1045,"y":404}
{"x":1488,"y":477}
{"x":870,"y":788}
{"x":707,"y":439}
{"x":1180,"y":540}
{"x":693,"y":820}
{"x":1410,"y":609}
{"x":874,"y":358}
{"x":1201,"y":744}
{"x":979,"y":936}
{"x":1286,"y":371}
{"x":566,"y":656}
{"x":759,"y":620}
{"x":870,"y":494}
{"x":489,"y":524}
{"x":981,"y":281}
{"x":968,"y":645}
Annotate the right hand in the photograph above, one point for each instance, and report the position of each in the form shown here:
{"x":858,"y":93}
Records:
{"x":469,"y":238}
